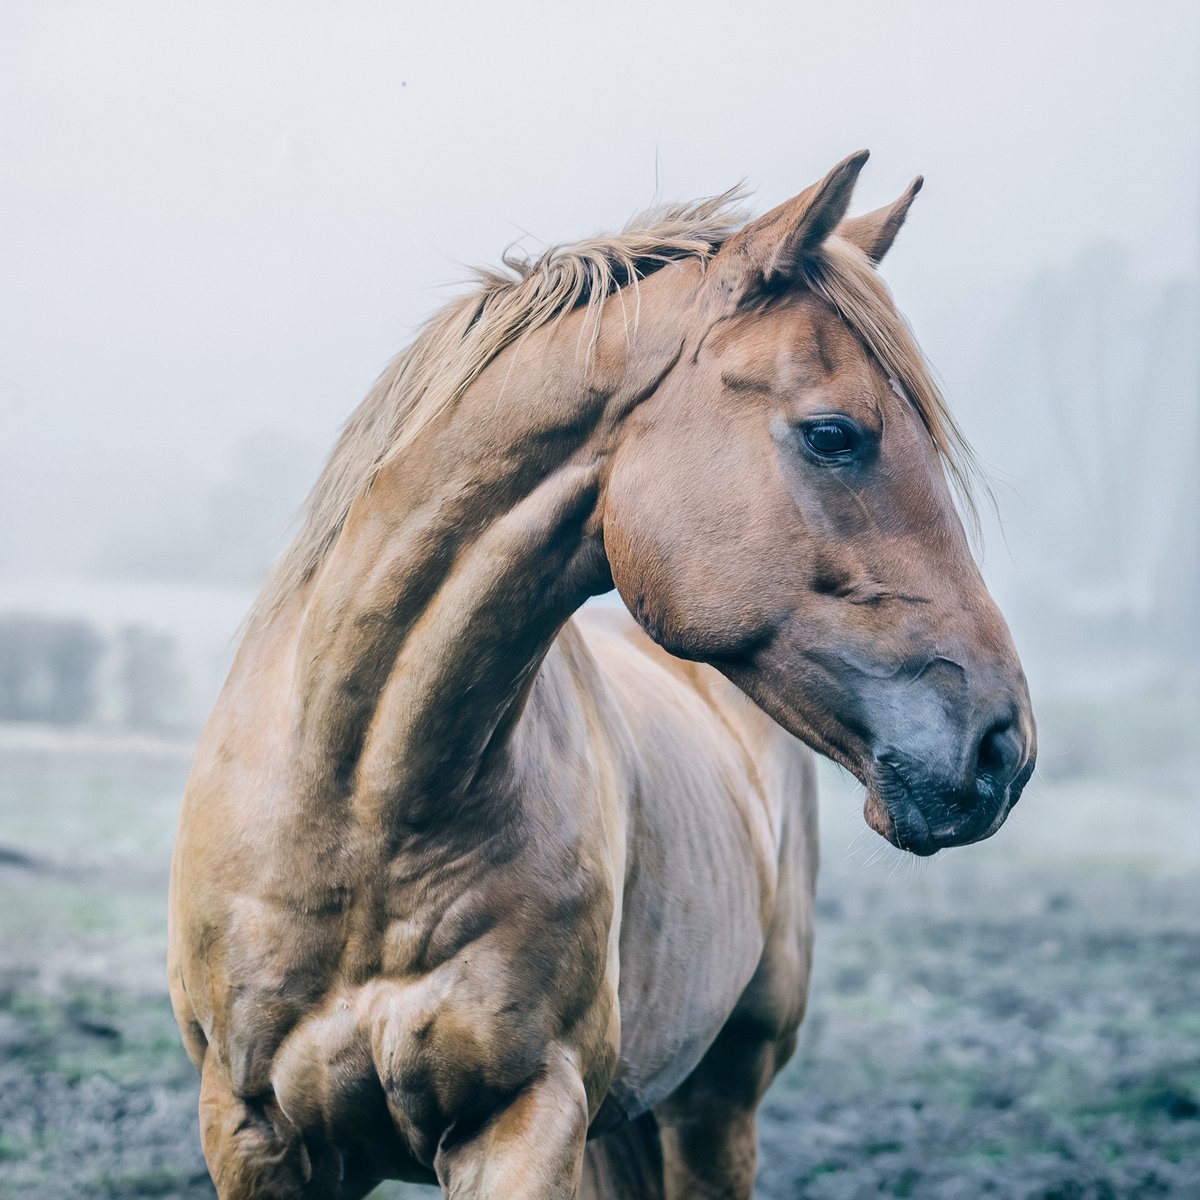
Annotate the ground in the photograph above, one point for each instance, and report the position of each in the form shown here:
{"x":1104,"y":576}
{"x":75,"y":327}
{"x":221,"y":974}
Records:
{"x":1019,"y":1019}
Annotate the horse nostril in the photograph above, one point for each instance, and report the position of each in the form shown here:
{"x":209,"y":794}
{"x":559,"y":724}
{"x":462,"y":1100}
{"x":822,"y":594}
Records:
{"x":999,"y":756}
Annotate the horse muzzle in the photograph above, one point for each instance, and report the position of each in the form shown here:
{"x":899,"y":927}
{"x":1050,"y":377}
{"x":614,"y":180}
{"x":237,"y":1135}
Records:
{"x":925,"y":810}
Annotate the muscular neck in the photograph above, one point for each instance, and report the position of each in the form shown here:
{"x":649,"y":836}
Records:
{"x":454,"y":573}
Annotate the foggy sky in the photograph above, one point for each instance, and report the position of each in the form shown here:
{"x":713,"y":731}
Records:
{"x":222,"y":219}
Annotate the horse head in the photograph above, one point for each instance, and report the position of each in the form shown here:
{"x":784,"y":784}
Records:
{"x":779,"y":507}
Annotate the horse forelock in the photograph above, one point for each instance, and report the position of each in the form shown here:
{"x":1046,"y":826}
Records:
{"x":842,"y":275}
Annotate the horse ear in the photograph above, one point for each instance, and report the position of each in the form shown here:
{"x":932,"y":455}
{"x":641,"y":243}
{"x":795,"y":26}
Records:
{"x":874,"y":232}
{"x":768,"y":253}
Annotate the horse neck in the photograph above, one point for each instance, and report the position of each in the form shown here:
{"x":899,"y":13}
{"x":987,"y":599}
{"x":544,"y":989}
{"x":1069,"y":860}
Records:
{"x":454,"y":572}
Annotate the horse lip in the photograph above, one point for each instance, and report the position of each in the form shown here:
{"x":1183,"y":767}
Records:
{"x":904,"y":825}
{"x":892,"y":810}
{"x":1018,"y":784}
{"x":913,"y":832}
{"x":907,"y":828}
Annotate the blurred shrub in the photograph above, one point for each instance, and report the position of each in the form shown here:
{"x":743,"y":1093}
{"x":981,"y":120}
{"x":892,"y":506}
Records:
{"x":149,"y":677}
{"x":48,"y":669}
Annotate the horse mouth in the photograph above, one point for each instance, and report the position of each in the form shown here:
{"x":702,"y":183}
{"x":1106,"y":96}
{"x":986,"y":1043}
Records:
{"x":924,"y":829}
{"x":902,"y":825}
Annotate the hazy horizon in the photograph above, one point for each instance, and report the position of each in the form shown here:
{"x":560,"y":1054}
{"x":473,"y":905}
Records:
{"x":219,"y":224}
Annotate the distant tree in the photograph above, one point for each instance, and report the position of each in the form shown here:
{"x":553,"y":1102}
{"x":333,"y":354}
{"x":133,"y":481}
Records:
{"x":48,"y":669}
{"x":230,"y":530}
{"x":149,"y":677}
{"x":1094,"y":382}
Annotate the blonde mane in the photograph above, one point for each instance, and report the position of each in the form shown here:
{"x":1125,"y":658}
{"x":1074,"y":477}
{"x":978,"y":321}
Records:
{"x":528,"y":294}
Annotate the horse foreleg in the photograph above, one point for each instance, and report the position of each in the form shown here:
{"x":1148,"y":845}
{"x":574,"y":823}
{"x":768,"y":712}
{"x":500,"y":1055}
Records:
{"x":531,"y":1149}
{"x":707,"y":1128}
{"x":625,"y":1164}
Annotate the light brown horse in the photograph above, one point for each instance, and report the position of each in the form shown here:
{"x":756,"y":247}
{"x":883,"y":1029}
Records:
{"x":462,"y":879}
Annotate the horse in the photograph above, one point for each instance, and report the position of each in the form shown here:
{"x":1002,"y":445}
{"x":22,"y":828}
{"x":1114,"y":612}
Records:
{"x":474,"y":888}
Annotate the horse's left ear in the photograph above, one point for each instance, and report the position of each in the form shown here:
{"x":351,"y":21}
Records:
{"x":874,"y":232}
{"x":768,"y":254}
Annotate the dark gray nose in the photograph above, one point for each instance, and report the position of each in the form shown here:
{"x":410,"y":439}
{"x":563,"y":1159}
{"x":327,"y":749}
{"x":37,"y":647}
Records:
{"x":999,"y":754}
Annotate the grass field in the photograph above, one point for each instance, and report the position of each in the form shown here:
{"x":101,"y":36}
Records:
{"x":1017,"y":1019}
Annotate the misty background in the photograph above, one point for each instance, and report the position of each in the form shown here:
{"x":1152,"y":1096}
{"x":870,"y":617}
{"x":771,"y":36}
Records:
{"x":220,"y":222}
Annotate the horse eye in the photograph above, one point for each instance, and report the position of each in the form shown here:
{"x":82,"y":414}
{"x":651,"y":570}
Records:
{"x":827,"y":437}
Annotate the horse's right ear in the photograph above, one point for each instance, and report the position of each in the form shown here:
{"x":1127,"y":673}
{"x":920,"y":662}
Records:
{"x":768,"y":254}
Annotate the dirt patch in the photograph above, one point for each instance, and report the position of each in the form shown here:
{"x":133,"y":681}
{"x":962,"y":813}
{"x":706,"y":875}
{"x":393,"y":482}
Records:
{"x":1042,"y":1055}
{"x":96,"y":1098}
{"x":1015,"y":1020}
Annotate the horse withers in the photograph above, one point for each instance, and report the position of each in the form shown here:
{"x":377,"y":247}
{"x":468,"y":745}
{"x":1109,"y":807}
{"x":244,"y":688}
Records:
{"x":471,"y":889}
